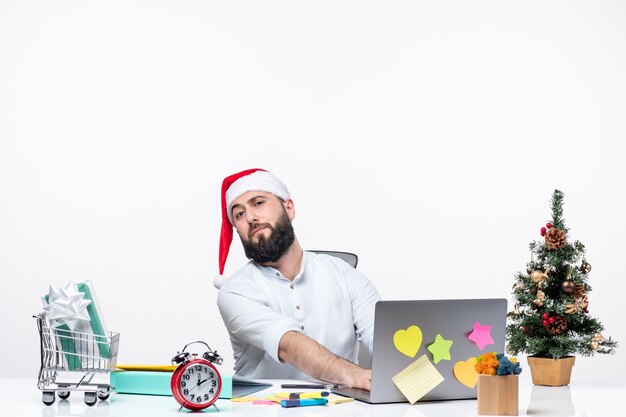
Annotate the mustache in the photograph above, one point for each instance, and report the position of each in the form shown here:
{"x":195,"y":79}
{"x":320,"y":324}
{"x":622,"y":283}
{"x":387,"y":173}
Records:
{"x":256,"y":226}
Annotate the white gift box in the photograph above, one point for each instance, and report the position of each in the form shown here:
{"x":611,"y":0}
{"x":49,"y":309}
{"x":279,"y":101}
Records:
{"x":77,"y":325}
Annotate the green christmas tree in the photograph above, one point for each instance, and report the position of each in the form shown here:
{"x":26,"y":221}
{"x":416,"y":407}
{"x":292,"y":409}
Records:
{"x":551,"y":316}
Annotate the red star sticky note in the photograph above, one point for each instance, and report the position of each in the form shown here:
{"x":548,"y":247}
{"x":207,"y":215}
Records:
{"x":481,"y":335}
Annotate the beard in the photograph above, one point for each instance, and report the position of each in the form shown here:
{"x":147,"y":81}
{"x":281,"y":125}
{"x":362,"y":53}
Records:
{"x":276,"y":245}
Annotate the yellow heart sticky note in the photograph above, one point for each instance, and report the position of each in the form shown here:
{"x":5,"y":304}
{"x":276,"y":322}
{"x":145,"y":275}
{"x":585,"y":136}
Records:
{"x":465,"y":372}
{"x":408,"y":341}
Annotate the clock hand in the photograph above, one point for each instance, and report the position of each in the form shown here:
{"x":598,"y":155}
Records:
{"x":199,"y":383}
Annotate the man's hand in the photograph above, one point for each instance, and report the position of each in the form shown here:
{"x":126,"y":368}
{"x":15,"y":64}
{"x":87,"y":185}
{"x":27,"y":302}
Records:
{"x":362,"y":379}
{"x":315,"y":360}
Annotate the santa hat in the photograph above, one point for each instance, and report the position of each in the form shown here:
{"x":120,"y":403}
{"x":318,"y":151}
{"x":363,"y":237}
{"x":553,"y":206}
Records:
{"x":233,"y":187}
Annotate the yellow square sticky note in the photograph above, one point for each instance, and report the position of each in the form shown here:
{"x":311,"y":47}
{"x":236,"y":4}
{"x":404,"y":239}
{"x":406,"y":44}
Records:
{"x":417,"y":379}
{"x":338,"y":399}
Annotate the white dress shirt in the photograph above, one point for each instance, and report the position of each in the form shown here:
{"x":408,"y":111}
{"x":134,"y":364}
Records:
{"x":328,"y":300}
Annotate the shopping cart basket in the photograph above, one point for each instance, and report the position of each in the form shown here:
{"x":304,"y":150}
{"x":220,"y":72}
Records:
{"x":71,"y":360}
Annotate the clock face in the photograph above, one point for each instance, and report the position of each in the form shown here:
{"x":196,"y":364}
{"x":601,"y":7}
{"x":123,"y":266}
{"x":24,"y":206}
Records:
{"x":199,"y":384}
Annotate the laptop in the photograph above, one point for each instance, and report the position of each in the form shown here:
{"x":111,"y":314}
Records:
{"x":458,"y":321}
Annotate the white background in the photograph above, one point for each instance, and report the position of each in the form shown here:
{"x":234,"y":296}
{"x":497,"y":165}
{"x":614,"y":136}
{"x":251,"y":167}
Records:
{"x":425,"y":136}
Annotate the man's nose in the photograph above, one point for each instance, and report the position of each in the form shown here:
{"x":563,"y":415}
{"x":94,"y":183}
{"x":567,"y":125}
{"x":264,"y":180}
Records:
{"x":251,"y":216}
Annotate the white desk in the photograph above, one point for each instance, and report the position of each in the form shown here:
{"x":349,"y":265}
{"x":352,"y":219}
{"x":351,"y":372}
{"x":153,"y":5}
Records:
{"x":20,"y":397}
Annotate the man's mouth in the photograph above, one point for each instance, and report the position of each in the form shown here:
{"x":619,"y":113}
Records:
{"x":258,"y":230}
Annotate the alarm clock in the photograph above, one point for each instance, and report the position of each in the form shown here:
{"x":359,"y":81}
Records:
{"x":196,"y":383}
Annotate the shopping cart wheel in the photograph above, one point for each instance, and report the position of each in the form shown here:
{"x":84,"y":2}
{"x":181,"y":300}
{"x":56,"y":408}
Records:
{"x":48,"y":397}
{"x":90,"y":398}
{"x":104,"y":395}
{"x":64,"y":395}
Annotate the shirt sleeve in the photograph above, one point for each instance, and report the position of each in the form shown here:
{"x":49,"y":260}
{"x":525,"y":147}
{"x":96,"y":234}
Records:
{"x":364,"y":297}
{"x":249,"y":320}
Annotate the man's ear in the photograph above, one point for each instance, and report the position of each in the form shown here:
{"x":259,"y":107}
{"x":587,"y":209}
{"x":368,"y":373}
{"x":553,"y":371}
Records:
{"x":291,"y":208}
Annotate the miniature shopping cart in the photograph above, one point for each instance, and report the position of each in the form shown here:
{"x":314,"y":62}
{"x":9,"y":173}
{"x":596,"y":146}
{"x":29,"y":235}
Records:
{"x":75,"y":361}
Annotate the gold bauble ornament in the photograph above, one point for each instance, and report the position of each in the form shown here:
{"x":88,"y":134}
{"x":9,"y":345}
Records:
{"x":598,"y":337}
{"x":568,"y":287}
{"x":594,"y":345}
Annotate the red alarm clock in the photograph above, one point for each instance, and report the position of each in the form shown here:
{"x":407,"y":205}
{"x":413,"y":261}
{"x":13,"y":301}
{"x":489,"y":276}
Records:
{"x":196,"y":383}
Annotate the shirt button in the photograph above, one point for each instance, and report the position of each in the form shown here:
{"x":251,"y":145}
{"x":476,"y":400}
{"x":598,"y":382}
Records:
{"x":301,"y":327}
{"x":291,"y":286}
{"x":297,"y":307}
{"x":278,"y":274}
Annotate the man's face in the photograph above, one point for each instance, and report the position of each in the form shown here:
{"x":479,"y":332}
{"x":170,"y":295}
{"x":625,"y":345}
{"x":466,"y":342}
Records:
{"x":263,"y":222}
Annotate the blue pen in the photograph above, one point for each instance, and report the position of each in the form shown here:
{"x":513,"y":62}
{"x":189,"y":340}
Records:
{"x":303,"y":402}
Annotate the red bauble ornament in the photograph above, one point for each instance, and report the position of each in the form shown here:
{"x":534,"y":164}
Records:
{"x":544,"y":316}
{"x":524,"y":328}
{"x":548,"y":225}
{"x":543,"y":231}
{"x":545,"y":322}
{"x":551,"y":320}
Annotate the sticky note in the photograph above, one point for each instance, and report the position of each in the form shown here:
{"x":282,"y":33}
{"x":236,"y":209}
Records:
{"x":246,"y":399}
{"x":338,"y":399}
{"x":465,"y":372}
{"x":440,"y":348}
{"x":481,"y":335}
{"x":417,"y":379}
{"x":408,"y":341}
{"x":265,"y":402}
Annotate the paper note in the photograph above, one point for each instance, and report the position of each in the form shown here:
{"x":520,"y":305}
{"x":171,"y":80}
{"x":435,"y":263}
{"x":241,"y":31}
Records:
{"x":417,"y":379}
{"x":466,"y":373}
{"x":481,"y":335}
{"x":408,"y":341}
{"x":338,"y":399}
{"x":265,"y":402}
{"x":246,"y":399}
{"x":440,"y":348}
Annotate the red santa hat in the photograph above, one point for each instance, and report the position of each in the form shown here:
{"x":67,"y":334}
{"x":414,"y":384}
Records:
{"x":233,"y":187}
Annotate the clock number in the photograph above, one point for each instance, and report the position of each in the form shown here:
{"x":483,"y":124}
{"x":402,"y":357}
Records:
{"x":183,"y":384}
{"x":186,"y":377}
{"x":213,"y":383}
{"x":206,"y":397}
{"x":186,"y":392}
{"x":211,"y":375}
{"x":211,"y":391}
{"x":199,"y":368}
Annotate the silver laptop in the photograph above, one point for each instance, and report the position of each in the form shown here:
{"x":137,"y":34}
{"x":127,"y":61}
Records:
{"x":452,"y":319}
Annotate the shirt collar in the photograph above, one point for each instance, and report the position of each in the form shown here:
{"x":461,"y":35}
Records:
{"x":271,"y":272}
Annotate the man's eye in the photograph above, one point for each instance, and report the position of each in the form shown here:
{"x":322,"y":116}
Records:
{"x":238,"y":214}
{"x":258,"y":203}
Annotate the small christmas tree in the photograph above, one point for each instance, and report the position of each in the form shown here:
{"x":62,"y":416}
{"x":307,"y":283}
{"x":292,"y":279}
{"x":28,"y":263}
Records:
{"x":551,"y":315}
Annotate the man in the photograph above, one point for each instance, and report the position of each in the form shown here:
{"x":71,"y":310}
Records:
{"x":290,"y":314}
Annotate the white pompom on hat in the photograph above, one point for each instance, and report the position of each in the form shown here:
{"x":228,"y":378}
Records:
{"x":233,"y":187}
